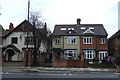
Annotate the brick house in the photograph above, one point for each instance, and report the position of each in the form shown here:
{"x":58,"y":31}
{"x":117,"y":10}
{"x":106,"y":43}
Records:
{"x":114,"y":44}
{"x":79,"y":42}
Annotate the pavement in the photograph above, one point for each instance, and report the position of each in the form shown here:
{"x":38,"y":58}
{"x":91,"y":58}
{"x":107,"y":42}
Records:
{"x":52,"y":69}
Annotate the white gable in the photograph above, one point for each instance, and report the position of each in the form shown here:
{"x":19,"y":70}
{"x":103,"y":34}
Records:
{"x":88,"y":31}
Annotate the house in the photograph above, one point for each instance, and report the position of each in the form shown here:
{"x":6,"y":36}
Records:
{"x":15,"y":41}
{"x":114,"y":44}
{"x":79,"y":42}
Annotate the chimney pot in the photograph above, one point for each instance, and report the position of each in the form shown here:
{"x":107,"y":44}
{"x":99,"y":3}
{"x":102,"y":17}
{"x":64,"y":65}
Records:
{"x":78,"y":21}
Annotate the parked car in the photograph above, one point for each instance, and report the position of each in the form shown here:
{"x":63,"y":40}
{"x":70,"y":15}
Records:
{"x":109,"y":59}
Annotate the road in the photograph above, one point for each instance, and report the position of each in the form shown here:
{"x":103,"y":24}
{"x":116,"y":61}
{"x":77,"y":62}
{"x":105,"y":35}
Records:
{"x":59,"y":76}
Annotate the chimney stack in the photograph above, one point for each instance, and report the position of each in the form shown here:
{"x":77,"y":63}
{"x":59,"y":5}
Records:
{"x":11,"y":27}
{"x":45,"y":26}
{"x":78,"y":21}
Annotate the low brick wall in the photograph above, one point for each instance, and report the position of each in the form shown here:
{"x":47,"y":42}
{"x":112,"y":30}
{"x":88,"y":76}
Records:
{"x":13,"y":64}
{"x":67,"y":63}
{"x":41,"y":59}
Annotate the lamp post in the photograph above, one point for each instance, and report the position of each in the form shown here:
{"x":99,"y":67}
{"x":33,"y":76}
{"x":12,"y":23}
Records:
{"x":27,"y":35}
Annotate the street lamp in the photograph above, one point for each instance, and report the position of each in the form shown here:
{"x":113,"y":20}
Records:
{"x":27,"y":35}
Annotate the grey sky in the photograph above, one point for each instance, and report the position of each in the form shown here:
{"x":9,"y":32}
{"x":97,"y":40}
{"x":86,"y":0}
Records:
{"x":63,"y":12}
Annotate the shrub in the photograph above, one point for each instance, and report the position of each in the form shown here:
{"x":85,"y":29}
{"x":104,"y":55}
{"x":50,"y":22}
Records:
{"x":117,"y":60}
{"x":96,"y":59}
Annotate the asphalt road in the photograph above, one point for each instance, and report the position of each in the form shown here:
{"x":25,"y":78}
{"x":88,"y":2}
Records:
{"x":59,"y":76}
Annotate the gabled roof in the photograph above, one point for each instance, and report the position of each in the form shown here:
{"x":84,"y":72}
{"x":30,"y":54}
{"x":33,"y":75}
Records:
{"x":96,"y":29}
{"x":14,"y":47}
{"x":117,"y":34}
{"x":22,"y":27}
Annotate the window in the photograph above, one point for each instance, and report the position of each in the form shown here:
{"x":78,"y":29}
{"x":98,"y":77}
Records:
{"x":102,"y":54}
{"x":63,"y":28}
{"x":70,"y":54}
{"x":89,"y":54}
{"x":71,"y":40}
{"x":91,"y":27}
{"x":29,"y":40}
{"x":102,"y":40}
{"x":83,"y":28}
{"x":70,"y":28}
{"x":57,"y":41}
{"x":14,"y":40}
{"x":87,"y":40}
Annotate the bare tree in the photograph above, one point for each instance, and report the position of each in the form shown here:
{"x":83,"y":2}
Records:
{"x":38,"y":33}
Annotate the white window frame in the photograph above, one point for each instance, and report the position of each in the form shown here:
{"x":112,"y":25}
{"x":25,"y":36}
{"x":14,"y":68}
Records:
{"x":57,"y":41}
{"x":102,"y":40}
{"x":86,"y":40}
{"x":72,"y":52}
{"x":89,"y":54}
{"x":71,"y":40}
{"x":102,"y":54}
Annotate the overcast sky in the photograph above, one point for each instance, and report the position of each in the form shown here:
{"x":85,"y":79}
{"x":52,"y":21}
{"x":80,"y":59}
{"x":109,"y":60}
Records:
{"x":63,"y":12}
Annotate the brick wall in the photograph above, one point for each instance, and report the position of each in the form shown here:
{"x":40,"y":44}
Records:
{"x":29,"y":58}
{"x":85,"y":46}
{"x":68,"y":63}
{"x":41,"y":59}
{"x":95,"y":44}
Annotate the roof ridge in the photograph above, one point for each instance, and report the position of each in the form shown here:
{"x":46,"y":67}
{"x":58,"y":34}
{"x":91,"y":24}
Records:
{"x":75,"y":24}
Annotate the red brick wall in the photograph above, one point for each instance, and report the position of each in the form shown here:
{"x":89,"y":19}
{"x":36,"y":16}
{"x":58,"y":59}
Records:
{"x":67,"y":63}
{"x":95,"y":44}
{"x":41,"y":59}
{"x":29,"y":58}
{"x":103,"y":46}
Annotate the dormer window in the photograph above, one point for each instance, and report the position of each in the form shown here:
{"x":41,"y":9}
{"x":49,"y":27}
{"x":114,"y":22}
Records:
{"x":71,"y":31}
{"x":70,"y":28}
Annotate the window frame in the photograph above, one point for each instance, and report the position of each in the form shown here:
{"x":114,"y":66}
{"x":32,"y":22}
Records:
{"x":15,"y":41}
{"x":102,"y":40}
{"x":71,"y":40}
{"x":57,"y":41}
{"x":67,"y":53}
{"x":87,"y":40}
{"x":89,"y":54}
